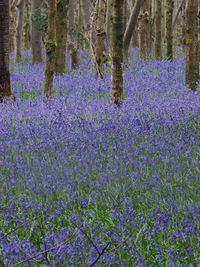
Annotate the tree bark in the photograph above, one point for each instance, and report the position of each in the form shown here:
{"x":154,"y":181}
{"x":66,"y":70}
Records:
{"x":169,"y":37}
{"x":134,"y":38}
{"x":12,"y":23}
{"x":86,"y":12}
{"x":174,"y":19}
{"x":36,"y":35}
{"x":157,"y":30}
{"x":72,"y":46}
{"x":144,"y":29}
{"x":50,"y":49}
{"x":130,"y":26}
{"x":100,"y":37}
{"x":192,"y":64}
{"x":108,"y":21}
{"x":116,"y":88}
{"x":61,"y":36}
{"x":4,"y":50}
{"x":19,"y":31}
{"x":26,"y":25}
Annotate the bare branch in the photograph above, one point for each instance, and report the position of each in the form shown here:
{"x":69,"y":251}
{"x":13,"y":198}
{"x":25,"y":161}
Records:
{"x":45,"y":251}
{"x":19,"y":226}
{"x":2,"y":263}
{"x":99,"y":256}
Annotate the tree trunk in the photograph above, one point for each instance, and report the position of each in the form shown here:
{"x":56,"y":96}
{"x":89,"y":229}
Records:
{"x":72,"y":47}
{"x":12,"y":23}
{"x":86,"y":13}
{"x":26,"y":25}
{"x":85,"y":7}
{"x":192,"y":64}
{"x":108,"y":21}
{"x":169,"y":38}
{"x":4,"y":50}
{"x":36,"y":35}
{"x":157,"y":30}
{"x":19,"y":31}
{"x":144,"y":29}
{"x":50,"y":49}
{"x":178,"y":21}
{"x":163,"y":23}
{"x":100,"y":37}
{"x":134,"y":38}
{"x":175,"y":17}
{"x":116,"y":88}
{"x":61,"y":36}
{"x":130,"y":26}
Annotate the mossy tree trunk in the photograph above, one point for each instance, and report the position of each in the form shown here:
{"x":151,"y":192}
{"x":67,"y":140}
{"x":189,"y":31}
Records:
{"x":116,"y":88}
{"x":36,"y":34}
{"x":50,"y":49}
{"x":100,"y":37}
{"x":19,"y":31}
{"x":169,"y":36}
{"x":157,"y":30}
{"x":4,"y":50}
{"x":61,"y":36}
{"x":72,"y":44}
{"x":192,"y":64}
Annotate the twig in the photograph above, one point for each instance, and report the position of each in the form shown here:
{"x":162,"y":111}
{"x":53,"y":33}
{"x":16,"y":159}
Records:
{"x":45,"y":251}
{"x":19,"y":226}
{"x":2,"y":263}
{"x":99,"y":256}
{"x":90,"y":241}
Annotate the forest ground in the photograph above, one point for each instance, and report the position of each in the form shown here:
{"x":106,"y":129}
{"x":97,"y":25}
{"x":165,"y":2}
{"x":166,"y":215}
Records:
{"x":86,"y":184}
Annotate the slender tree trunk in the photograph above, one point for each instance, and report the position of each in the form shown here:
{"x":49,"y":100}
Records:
{"x":116,"y":88}
{"x":157,"y":30}
{"x":130,"y":26}
{"x":85,"y":7}
{"x":183,"y":26}
{"x":12,"y":23}
{"x":108,"y":21}
{"x":50,"y":49}
{"x":4,"y":49}
{"x":100,"y":37}
{"x":72,"y":47}
{"x":175,"y":17}
{"x":61,"y":36}
{"x":144,"y":29}
{"x":192,"y":64}
{"x":125,"y":15}
{"x":169,"y":37}
{"x":163,"y":23}
{"x":86,"y":13}
{"x":36,"y":35}
{"x":19,"y":31}
{"x":134,"y":38}
{"x":26,"y":25}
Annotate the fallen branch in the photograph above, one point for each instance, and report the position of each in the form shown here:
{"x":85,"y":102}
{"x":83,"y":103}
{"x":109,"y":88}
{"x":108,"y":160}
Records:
{"x":17,"y":227}
{"x":45,"y":251}
{"x":99,"y":256}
